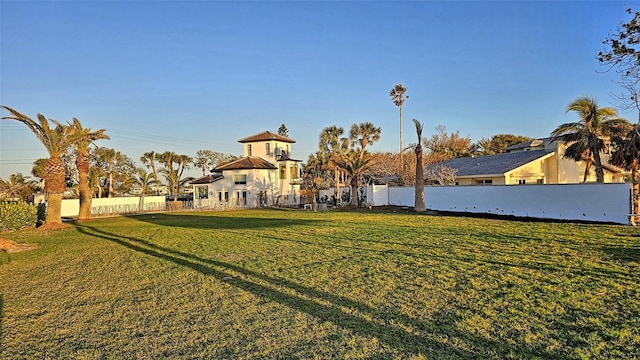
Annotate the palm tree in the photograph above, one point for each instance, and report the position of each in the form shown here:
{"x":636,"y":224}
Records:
{"x":398,"y":97}
{"x":332,"y":146}
{"x":144,"y":180}
{"x":627,"y":156}
{"x":149,"y":159}
{"x":17,"y":187}
{"x":356,"y":167}
{"x":586,"y":135}
{"x":56,"y":141}
{"x":83,"y":165}
{"x":419,"y":185}
{"x":362,"y":135}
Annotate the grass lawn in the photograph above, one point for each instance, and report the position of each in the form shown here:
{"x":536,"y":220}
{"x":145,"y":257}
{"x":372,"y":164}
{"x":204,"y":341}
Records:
{"x":295,"y":284}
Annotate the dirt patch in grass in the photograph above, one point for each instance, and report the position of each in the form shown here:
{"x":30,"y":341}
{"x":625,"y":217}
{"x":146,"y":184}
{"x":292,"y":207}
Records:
{"x":12,"y":246}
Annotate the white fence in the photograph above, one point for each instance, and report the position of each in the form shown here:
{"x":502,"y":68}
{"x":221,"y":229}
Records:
{"x":586,"y":202}
{"x":120,"y":205}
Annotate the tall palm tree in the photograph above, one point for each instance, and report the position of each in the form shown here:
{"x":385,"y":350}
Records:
{"x":586,"y":135}
{"x":627,"y":156}
{"x":149,"y":159}
{"x":56,"y":140}
{"x":83,"y":165}
{"x":332,"y":146}
{"x":419,"y":185}
{"x":398,"y":97}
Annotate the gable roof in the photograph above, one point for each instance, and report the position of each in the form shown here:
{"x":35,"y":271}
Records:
{"x":493,"y":164}
{"x":266,"y":136}
{"x":249,"y":162}
{"x":207,"y":179}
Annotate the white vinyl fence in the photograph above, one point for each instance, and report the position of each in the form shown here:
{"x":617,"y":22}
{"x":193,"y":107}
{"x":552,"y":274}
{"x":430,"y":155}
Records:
{"x":585,"y":202}
{"x":119,"y":205}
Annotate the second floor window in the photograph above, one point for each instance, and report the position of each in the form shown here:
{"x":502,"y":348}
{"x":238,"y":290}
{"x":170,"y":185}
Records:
{"x":240,"y":179}
{"x":268,"y":148}
{"x":249,"y":150}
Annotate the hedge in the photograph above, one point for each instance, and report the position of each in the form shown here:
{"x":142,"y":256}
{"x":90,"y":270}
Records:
{"x":17,"y":215}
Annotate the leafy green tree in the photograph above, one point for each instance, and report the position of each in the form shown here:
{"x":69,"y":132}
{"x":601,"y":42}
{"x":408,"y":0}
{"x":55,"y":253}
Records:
{"x":419,"y":182}
{"x":498,"y":144}
{"x":207,"y":159}
{"x":56,"y":140}
{"x":283,"y":131}
{"x":83,"y":163}
{"x":362,"y":135}
{"x":627,"y":156}
{"x":622,"y":53}
{"x":117,"y":171}
{"x":586,"y":135}
{"x":398,"y":97}
{"x":444,"y":146}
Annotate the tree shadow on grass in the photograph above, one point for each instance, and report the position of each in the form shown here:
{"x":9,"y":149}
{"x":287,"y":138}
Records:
{"x":629,"y":253}
{"x":214,"y":222}
{"x":386,"y":325}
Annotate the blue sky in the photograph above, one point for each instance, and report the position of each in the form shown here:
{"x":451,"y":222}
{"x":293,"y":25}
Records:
{"x":184,"y":76}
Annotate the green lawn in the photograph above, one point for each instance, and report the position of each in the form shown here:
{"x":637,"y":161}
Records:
{"x":295,"y":284}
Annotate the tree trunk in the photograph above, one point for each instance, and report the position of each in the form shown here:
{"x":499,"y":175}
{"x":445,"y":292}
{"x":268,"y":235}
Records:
{"x":419,"y":186}
{"x":142,"y":202}
{"x":599,"y":170}
{"x":354,"y":191}
{"x":82,"y":164}
{"x":55,"y":185}
{"x":635,"y":195}
{"x":336,"y":190}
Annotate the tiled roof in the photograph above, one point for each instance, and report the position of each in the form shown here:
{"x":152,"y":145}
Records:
{"x":266,"y":136}
{"x":207,"y":179}
{"x":249,"y":162}
{"x":493,"y":164}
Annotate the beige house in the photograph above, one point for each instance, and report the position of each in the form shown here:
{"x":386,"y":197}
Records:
{"x":537,"y":162}
{"x":265,"y":175}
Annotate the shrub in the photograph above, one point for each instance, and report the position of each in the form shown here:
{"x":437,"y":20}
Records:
{"x":16,"y":215}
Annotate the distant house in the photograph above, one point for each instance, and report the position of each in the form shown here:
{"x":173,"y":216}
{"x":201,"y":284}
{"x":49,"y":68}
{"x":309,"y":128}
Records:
{"x":265,"y":175}
{"x":535,"y":162}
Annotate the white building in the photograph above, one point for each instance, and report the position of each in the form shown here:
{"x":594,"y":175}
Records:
{"x":266,"y":175}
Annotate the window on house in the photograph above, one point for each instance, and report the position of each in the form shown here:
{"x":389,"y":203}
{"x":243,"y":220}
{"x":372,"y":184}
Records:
{"x":283,"y":171}
{"x":268,"y":148}
{"x":522,"y":182}
{"x":223,"y":196}
{"x":293,"y":172}
{"x":240,"y":179}
{"x":248,"y":149}
{"x":540,"y":181}
{"x":202,"y":192}
{"x":484,"y":182}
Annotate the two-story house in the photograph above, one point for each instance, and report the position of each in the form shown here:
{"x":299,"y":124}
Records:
{"x":266,"y":175}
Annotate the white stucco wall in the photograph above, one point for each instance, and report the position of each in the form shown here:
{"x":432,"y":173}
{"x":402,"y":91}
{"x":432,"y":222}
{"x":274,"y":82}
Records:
{"x":589,"y":202}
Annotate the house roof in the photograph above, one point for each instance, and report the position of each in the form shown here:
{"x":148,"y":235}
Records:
{"x":266,"y":136}
{"x":249,"y":162}
{"x":207,"y":179}
{"x":284,"y":156}
{"x":492,"y":164}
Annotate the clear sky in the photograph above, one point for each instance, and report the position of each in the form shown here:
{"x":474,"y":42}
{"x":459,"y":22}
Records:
{"x":184,"y":76}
